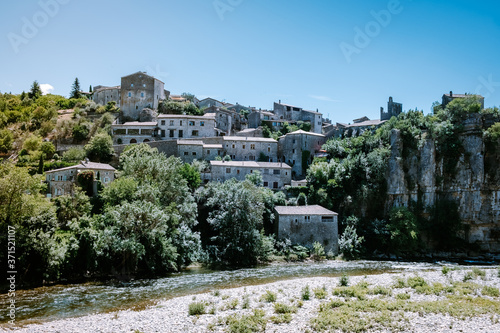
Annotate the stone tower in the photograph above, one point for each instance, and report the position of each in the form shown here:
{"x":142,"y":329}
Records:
{"x":393,"y":109}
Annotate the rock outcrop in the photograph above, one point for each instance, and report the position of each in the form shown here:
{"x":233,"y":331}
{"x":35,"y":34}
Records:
{"x":474,"y":186}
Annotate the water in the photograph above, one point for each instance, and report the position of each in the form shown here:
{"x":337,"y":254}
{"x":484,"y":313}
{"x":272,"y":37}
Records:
{"x":63,"y":301}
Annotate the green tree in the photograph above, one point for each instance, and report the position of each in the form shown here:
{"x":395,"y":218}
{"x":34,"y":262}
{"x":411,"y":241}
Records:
{"x":35,"y":91}
{"x":191,"y":175}
{"x":350,"y":244}
{"x":48,"y":149}
{"x":69,"y":207}
{"x":121,"y":190}
{"x":6,"y":139}
{"x":255,"y":178}
{"x":403,"y":229}
{"x":235,"y":218}
{"x":100,"y":148}
{"x":32,"y":143}
{"x":190,"y":97}
{"x":74,"y":155}
{"x":75,"y":90}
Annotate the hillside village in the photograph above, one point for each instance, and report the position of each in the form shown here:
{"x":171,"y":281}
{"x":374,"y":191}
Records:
{"x":226,"y":131}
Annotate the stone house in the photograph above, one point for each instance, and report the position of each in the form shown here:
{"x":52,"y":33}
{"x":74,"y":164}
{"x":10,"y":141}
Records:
{"x":61,"y":181}
{"x":293,"y":114}
{"x":136,"y":92}
{"x":228,"y":122}
{"x":298,"y":149}
{"x":172,"y":126}
{"x":305,"y":225}
{"x":134,"y":132}
{"x":250,"y":148}
{"x":209,"y":102}
{"x":274,"y":175}
{"x":190,"y":150}
{"x":447,"y":98}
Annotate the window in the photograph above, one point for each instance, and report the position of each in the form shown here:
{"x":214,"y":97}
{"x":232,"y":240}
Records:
{"x":307,"y":219}
{"x":142,"y":94}
{"x":162,"y":133}
{"x":252,"y":146}
{"x":129,"y":94}
{"x":171,"y":133}
{"x":181,"y":133}
{"x":326,"y":218}
{"x":266,"y":184}
{"x":228,"y":170}
{"x":233,"y":146}
{"x":293,"y":151}
{"x":195,"y":133}
{"x":276,"y":172}
{"x":237,"y":172}
{"x":251,"y":158}
{"x":293,"y":141}
{"x":208,"y":152}
{"x":275,"y":185}
{"x":266,"y":171}
{"x":202,"y":123}
{"x":171,"y":123}
{"x":106,"y":180}
{"x":191,"y":123}
{"x":186,"y":153}
{"x":243,"y":146}
{"x":181,"y":122}
{"x":132,"y":85}
{"x":163,"y":122}
{"x":269,"y":149}
{"x":194,"y":153}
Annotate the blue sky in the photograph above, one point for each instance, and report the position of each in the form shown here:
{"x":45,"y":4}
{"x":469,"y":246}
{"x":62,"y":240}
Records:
{"x":254,"y":52}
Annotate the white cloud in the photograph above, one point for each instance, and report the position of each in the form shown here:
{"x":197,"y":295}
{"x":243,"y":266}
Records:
{"x":46,"y":88}
{"x":323,"y":98}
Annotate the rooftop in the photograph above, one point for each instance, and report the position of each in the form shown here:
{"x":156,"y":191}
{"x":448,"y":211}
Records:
{"x":251,"y":164}
{"x":174,"y":116}
{"x":303,"y":210}
{"x":190,"y":142}
{"x":374,"y":122}
{"x":87,"y":165}
{"x":138,"y":123}
{"x":143,"y":73}
{"x":247,"y":138}
{"x":299,"y":132}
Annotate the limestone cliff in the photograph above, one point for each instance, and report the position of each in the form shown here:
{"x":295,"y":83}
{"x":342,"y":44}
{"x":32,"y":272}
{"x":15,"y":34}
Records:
{"x":475,"y":184}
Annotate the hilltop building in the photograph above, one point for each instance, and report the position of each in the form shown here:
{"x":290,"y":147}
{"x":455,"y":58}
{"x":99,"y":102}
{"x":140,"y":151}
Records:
{"x":447,"y":98}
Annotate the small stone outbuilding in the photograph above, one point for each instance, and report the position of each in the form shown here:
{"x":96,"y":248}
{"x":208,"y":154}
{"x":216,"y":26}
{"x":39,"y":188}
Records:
{"x":305,"y":225}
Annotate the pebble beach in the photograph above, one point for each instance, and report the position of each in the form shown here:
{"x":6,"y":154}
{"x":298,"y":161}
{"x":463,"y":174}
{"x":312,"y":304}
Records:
{"x":428,"y":301}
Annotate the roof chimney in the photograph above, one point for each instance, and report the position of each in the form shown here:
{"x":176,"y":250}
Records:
{"x":279,"y":102}
{"x":451,"y":93}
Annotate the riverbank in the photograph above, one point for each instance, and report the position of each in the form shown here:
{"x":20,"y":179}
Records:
{"x":438,"y":300}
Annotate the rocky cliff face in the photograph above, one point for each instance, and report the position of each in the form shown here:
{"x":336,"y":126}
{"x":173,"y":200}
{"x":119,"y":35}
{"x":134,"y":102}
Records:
{"x":475,"y":184}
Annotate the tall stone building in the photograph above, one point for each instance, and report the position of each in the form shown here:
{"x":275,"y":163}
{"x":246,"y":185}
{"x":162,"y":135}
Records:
{"x":393,"y":110}
{"x":136,"y":92}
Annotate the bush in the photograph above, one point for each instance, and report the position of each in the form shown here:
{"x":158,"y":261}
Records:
{"x":306,"y":293}
{"x":48,"y":149}
{"x":350,"y":243}
{"x":100,"y":148}
{"x":403,"y":230}
{"x":269,"y":297}
{"x":318,"y":251}
{"x":74,"y":155}
{"x":196,"y":308}
{"x":344,"y":280}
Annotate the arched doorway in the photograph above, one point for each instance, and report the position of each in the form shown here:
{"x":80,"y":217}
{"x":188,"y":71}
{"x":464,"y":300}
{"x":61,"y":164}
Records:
{"x":133,"y":141}
{"x":146,"y":140}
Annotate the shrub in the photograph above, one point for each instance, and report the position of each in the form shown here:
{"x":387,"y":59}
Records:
{"x":344,"y":280}
{"x":306,"y":293}
{"x":350,"y":243}
{"x":254,"y":322}
{"x":284,"y":308}
{"x":318,"y":251}
{"x":196,"y":308}
{"x":490,"y":291}
{"x":269,"y":297}
{"x":320,"y":293}
{"x":445,"y":270}
{"x":403,"y":230}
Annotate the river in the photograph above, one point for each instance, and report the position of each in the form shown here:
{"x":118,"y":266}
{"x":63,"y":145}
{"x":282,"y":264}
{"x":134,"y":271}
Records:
{"x":72,"y":300}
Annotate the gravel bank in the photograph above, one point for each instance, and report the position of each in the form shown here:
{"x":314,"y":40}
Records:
{"x":172,"y":315}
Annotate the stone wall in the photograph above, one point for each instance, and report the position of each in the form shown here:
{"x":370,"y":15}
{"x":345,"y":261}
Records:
{"x":475,"y":185}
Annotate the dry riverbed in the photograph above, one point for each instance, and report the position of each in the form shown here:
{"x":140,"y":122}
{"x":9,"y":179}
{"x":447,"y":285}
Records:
{"x":444,"y":300}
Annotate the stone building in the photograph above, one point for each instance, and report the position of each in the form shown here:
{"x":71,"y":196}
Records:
{"x":136,"y":92}
{"x":250,"y":148}
{"x":393,"y":110}
{"x":102,"y":95}
{"x":173,"y":126}
{"x":305,"y":225}
{"x":447,"y":98}
{"x":228,"y":122}
{"x":134,"y":132}
{"x":298,"y":149}
{"x":209,"y":102}
{"x":190,"y":150}
{"x":274,"y":175}
{"x":61,"y":181}
{"x":294,"y":114}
